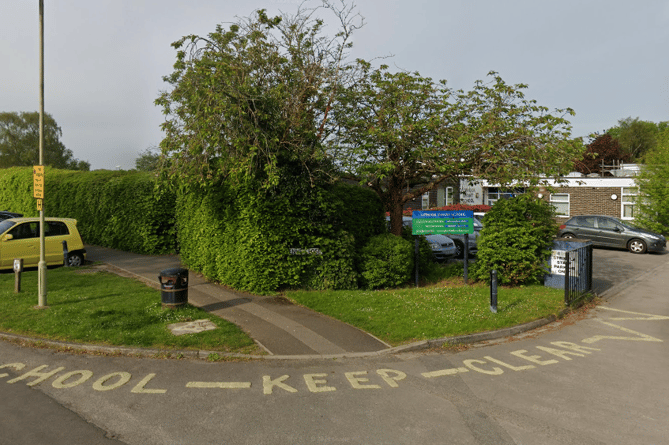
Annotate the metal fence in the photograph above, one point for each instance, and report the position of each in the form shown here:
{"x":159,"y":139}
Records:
{"x":578,"y":273}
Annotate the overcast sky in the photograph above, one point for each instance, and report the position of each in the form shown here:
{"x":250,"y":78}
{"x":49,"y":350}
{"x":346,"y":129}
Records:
{"x":104,"y":59}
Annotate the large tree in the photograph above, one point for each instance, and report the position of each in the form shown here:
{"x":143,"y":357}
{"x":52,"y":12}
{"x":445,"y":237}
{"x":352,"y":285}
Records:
{"x":19,"y":142}
{"x":603,"y":149}
{"x":247,"y":100}
{"x":636,"y":137}
{"x":403,"y":134}
{"x":652,"y":210}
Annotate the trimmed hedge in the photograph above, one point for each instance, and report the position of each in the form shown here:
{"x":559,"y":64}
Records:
{"x":387,"y":261}
{"x":117,"y":209}
{"x":516,"y":241}
{"x":293,"y":236}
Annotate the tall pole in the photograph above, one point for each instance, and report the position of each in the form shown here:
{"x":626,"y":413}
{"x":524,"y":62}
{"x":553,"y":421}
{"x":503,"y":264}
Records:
{"x":41,"y":266}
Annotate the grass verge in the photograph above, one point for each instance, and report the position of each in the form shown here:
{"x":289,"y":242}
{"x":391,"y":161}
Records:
{"x":445,"y":309}
{"x":87,"y":305}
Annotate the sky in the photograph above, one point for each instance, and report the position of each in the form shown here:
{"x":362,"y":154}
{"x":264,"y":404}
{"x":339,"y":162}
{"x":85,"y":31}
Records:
{"x":104,"y":59}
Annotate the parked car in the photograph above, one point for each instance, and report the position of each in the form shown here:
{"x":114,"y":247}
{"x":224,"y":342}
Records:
{"x":608,"y":231}
{"x":443,"y":247}
{"x":20,"y":238}
{"x":4,"y":214}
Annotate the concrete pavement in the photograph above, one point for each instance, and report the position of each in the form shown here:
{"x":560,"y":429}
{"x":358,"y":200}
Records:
{"x":278,"y":326}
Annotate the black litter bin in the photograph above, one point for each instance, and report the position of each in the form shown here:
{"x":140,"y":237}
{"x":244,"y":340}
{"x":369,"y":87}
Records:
{"x":174,"y":287}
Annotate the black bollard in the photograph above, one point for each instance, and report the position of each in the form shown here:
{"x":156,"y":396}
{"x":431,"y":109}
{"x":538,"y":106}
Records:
{"x":493,"y":291}
{"x":66,"y":263}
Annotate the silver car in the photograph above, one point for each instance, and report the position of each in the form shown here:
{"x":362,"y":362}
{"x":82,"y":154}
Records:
{"x":443,"y":247}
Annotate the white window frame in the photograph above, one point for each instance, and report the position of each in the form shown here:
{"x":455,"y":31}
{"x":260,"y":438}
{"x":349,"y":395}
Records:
{"x":425,"y":204}
{"x":628,"y":199}
{"x":558,"y":198}
{"x":449,"y":196}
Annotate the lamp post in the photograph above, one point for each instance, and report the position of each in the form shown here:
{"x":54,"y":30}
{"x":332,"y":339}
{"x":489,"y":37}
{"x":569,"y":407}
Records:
{"x":41,"y":266}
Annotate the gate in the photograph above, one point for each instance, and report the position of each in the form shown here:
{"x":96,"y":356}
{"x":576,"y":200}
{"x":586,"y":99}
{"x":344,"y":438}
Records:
{"x":577,"y":273}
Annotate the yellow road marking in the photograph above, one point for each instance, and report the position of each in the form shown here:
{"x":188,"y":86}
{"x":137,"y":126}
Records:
{"x":219,"y":385}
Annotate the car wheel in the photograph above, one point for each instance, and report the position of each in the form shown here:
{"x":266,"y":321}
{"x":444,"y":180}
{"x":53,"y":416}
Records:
{"x":568,"y":236}
{"x":637,"y":246}
{"x":459,"y":249}
{"x":75,"y":260}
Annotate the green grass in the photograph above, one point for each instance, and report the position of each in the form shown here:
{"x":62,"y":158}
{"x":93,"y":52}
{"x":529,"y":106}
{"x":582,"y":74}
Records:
{"x":445,"y":309}
{"x":98,"y":307}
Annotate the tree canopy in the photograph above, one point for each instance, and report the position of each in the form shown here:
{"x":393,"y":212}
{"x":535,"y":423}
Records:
{"x":403,"y":134}
{"x":19,"y":142}
{"x":246,"y":100}
{"x":652,"y":210}
{"x":636,"y":137}
{"x":603,"y":149}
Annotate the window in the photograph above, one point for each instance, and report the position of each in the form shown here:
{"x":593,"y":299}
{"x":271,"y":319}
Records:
{"x":627,"y":200}
{"x":25,"y":230}
{"x":55,"y":228}
{"x":560,"y":201}
{"x":426,"y":201}
{"x":449,"y":196}
{"x":495,"y":194}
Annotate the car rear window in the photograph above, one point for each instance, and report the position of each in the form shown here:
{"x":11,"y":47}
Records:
{"x":55,"y":228}
{"x":584,"y":221}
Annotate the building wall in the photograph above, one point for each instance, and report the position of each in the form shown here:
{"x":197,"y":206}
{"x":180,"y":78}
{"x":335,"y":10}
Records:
{"x":591,"y":201}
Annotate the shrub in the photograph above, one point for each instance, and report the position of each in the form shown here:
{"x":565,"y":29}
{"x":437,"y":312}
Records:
{"x":516,"y":240}
{"x":387,"y":261}
{"x":290,"y":236}
{"x":117,"y":209}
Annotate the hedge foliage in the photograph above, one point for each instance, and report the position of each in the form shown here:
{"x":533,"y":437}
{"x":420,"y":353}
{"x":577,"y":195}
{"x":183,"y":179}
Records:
{"x":516,"y":240}
{"x":291,"y":236}
{"x":387,"y":261}
{"x":117,"y":209}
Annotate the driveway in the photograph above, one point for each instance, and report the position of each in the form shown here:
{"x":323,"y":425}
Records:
{"x":612,"y":268}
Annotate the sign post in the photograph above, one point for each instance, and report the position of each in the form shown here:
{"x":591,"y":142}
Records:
{"x":445,"y":222}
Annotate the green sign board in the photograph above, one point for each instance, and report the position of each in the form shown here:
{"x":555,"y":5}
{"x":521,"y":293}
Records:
{"x":442,"y":222}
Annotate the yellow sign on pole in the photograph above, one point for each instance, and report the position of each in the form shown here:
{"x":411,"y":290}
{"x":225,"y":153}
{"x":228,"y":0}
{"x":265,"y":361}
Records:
{"x":38,"y":181}
{"x":40,"y":206}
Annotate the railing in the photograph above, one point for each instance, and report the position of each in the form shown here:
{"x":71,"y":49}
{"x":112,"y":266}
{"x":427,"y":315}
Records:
{"x":577,"y":274}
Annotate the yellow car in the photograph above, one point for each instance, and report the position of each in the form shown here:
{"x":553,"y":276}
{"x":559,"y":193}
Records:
{"x":19,"y":238}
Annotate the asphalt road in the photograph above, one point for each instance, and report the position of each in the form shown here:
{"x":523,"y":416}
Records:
{"x":593,"y":378}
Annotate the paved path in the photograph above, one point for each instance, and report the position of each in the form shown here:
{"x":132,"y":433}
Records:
{"x":278,"y":326}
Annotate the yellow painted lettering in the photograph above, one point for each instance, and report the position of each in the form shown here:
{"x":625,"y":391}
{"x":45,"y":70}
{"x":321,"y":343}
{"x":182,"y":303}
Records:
{"x":533,"y":358}
{"x":16,"y":366}
{"x":574,"y":347}
{"x":123,"y":378}
{"x":59,"y":383}
{"x":470,"y":364}
{"x":560,"y":352}
{"x":391,"y":376}
{"x":268,"y":384}
{"x":139,"y":388}
{"x":506,"y":365}
{"x":313,"y":384}
{"x":41,"y":376}
{"x":357,"y":382}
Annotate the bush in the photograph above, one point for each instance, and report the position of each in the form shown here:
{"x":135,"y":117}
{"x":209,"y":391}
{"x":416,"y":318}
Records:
{"x":291,"y":236}
{"x":387,"y":261}
{"x":117,"y":209}
{"x":516,"y":241}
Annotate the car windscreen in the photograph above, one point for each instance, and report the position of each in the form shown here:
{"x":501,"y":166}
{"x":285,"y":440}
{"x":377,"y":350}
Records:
{"x":5,"y":225}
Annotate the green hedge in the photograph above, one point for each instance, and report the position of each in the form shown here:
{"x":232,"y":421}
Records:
{"x":118,"y":209}
{"x":292,"y":236}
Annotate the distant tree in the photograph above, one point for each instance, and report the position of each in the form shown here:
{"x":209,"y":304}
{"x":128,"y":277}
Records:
{"x":19,"y":142}
{"x":603,"y":149}
{"x":148,"y":160}
{"x":652,"y":209}
{"x":400,"y":130}
{"x":636,"y":137}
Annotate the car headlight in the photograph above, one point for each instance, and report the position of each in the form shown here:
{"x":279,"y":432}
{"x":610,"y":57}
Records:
{"x":435,"y":246}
